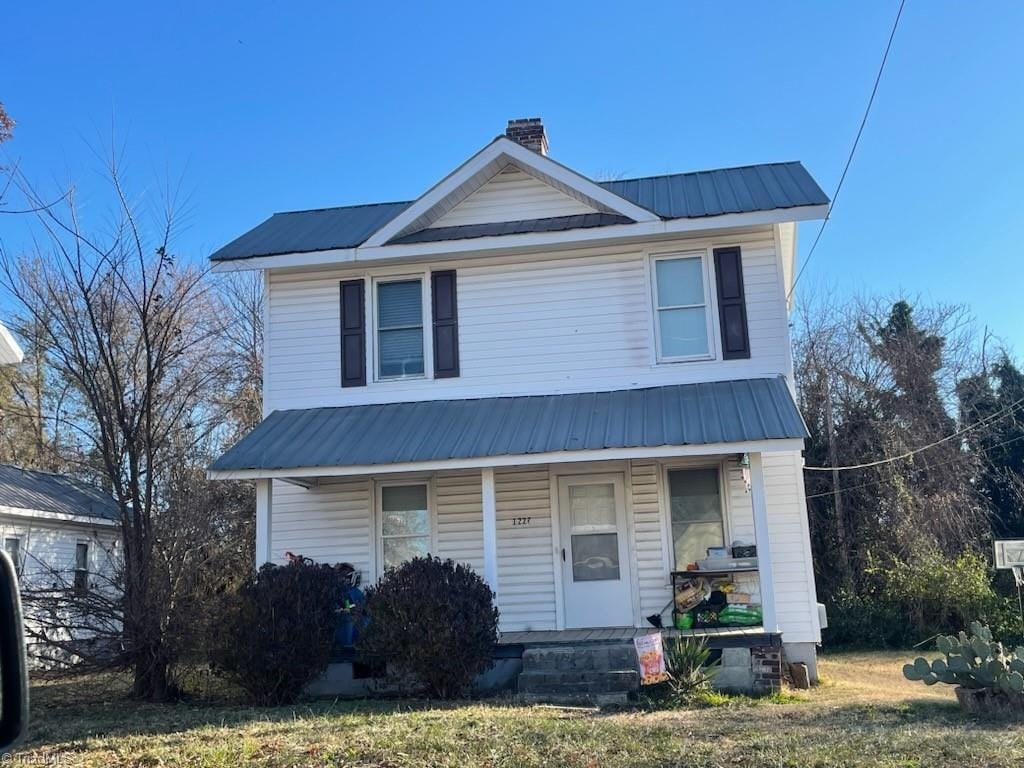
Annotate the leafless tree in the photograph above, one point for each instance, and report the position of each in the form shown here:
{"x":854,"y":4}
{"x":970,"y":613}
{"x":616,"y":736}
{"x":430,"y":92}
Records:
{"x":133,"y":332}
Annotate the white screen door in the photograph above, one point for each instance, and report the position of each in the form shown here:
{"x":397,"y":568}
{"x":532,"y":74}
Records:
{"x":595,"y":564}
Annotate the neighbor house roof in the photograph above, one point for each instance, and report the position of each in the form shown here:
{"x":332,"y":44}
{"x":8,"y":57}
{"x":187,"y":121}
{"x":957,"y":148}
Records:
{"x":361,"y":435}
{"x":30,"y":489}
{"x":698,"y":194}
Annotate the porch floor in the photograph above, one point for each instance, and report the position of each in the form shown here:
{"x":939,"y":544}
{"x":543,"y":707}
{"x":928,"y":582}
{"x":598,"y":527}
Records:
{"x":717,"y":637}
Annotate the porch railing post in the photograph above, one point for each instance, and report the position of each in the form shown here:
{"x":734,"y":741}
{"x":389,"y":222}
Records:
{"x":764,"y":547}
{"x":490,"y":514}
{"x":264,"y":513}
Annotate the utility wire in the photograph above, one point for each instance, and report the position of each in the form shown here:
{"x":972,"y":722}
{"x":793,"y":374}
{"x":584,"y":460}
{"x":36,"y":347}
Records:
{"x":853,"y":150}
{"x":930,"y":466}
{"x":1001,"y":413}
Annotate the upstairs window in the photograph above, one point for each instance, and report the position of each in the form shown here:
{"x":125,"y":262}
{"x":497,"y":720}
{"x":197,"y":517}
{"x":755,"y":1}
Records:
{"x":682,"y":316}
{"x":400,"y":329}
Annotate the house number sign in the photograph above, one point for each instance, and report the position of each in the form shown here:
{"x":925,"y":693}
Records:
{"x":517,"y":521}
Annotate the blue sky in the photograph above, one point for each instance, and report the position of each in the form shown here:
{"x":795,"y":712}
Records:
{"x":262,"y":107}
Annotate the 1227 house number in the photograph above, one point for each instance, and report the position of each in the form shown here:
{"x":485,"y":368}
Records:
{"x":517,"y":521}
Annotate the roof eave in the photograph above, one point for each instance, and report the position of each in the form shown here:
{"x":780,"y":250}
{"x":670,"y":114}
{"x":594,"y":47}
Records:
{"x":561,"y":239}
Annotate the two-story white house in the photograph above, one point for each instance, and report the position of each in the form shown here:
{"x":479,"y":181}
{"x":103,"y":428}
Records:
{"x":577,"y":387}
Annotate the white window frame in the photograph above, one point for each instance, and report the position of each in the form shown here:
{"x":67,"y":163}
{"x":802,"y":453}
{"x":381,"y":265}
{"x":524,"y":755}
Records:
{"x":88,"y":564}
{"x":373,"y":345}
{"x":19,"y":560}
{"x":723,"y":494}
{"x":709,"y":305}
{"x":378,"y":524}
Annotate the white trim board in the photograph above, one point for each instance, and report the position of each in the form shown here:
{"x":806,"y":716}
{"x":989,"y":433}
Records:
{"x":481,"y":168}
{"x":558,"y":457}
{"x":621,"y":233}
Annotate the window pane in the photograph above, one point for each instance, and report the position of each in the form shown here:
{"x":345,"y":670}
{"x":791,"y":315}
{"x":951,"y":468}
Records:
{"x":399,"y":304}
{"x":694,"y":495}
{"x":410,"y":523}
{"x":684,"y":332}
{"x":397,"y":551}
{"x":82,"y":556}
{"x":402,"y":498}
{"x":401,"y":353}
{"x":696,"y":506}
{"x":692,"y":540}
{"x":680,"y":281}
{"x":595,"y":557}
{"x":592,"y":504}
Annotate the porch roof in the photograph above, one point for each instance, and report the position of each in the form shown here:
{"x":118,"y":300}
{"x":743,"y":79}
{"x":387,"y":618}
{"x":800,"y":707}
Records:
{"x":737,"y":411}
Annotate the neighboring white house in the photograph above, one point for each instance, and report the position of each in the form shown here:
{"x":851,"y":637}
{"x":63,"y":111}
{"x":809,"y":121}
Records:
{"x":10,"y":352}
{"x":576,"y":387}
{"x":62,"y":535}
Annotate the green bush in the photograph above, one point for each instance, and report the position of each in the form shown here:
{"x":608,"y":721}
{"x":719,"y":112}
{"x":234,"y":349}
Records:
{"x":276,"y":631}
{"x":686,"y":661}
{"x":434,"y":624}
{"x":908,"y":602}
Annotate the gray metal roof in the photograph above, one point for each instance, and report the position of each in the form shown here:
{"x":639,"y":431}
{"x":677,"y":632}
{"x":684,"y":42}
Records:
{"x":680,"y":195}
{"x":552,"y":224}
{"x":317,"y":230}
{"x":728,"y":190}
{"x":49,"y":492}
{"x":398,"y":433}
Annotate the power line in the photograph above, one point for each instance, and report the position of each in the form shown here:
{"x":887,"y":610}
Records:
{"x":1001,"y":413}
{"x":853,"y":149}
{"x":931,"y":466}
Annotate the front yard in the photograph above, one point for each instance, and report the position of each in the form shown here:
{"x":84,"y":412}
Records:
{"x":863,"y":714}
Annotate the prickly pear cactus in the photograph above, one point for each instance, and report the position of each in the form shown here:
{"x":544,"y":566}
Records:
{"x":972,"y":661}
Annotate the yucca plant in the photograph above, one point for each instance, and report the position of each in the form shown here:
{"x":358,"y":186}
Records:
{"x":686,"y":661}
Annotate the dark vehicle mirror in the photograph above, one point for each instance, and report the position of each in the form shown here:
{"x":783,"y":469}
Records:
{"x":13,"y":672}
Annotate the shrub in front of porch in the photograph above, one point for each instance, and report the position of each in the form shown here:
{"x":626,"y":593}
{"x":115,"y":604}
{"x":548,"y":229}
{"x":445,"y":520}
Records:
{"x":434,"y":623}
{"x":276,"y":631}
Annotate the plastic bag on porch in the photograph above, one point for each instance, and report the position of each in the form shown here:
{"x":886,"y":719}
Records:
{"x":650,"y":652}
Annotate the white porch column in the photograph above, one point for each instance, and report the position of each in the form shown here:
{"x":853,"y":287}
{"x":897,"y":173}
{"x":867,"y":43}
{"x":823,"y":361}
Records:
{"x":490,"y":513}
{"x":264,"y":512}
{"x":764,"y":547}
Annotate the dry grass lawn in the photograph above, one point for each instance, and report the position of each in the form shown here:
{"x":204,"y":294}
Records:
{"x":863,"y":714}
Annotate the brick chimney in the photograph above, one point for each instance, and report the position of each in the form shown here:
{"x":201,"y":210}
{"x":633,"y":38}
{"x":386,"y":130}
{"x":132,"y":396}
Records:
{"x":528,"y":131}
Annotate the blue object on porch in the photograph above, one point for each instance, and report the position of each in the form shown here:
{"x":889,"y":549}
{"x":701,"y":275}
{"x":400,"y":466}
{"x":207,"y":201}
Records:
{"x":436,"y":430}
{"x":345,"y":633}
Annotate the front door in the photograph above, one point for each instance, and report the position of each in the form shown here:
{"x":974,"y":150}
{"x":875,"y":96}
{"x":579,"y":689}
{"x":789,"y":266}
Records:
{"x":595,"y":562}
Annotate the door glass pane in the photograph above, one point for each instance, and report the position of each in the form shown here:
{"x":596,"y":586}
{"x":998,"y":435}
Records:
{"x":397,"y":551}
{"x":684,"y":332}
{"x":592,"y":504}
{"x":680,"y":281}
{"x":595,"y":557}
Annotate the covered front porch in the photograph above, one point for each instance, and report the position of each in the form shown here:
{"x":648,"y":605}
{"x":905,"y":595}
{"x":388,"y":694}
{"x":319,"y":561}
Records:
{"x":575,"y":509}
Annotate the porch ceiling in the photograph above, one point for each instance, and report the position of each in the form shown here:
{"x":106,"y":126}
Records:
{"x":714,"y":413}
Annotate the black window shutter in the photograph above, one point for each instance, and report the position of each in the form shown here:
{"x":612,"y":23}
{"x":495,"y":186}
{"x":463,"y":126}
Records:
{"x":732,"y":307}
{"x":353,"y":333}
{"x":446,"y":324}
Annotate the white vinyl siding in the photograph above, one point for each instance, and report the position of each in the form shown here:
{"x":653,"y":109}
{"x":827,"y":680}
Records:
{"x":48,"y":546}
{"x":554,"y":324}
{"x":330,"y":523}
{"x":526,"y":575}
{"x":512,"y":195}
{"x":333,"y":523}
